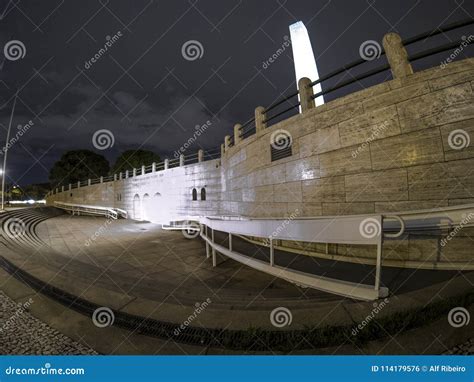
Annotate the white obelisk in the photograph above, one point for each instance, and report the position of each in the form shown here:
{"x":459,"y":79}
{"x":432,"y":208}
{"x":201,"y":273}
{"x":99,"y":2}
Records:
{"x":303,"y":56}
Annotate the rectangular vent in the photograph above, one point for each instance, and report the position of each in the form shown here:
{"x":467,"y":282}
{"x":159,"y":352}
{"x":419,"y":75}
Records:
{"x":280,"y":152}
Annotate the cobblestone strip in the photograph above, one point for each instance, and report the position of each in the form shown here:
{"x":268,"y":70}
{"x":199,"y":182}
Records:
{"x":467,"y":348}
{"x":22,"y":333}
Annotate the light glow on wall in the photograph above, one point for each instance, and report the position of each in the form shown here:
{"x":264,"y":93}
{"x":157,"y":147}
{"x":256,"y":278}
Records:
{"x":303,"y":56}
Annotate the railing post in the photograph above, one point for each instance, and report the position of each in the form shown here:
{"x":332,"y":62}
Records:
{"x":378,"y":267}
{"x":62,"y":188}
{"x":167,"y":164}
{"x":115,"y":177}
{"x":78,"y":184}
{"x":126,"y":174}
{"x":237,"y":133}
{"x":226,"y":142}
{"x":208,"y":254}
{"x":89,"y":182}
{"x":214,"y":258}
{"x":272,"y":255}
{"x":200,"y":155}
{"x":306,"y":94}
{"x":143,"y":170}
{"x":57,"y":190}
{"x":397,"y":55}
{"x":181,"y":160}
{"x":101,"y":179}
{"x":70,"y":186}
{"x":134,"y":172}
{"x":260,"y":117}
{"x":222,"y":150}
{"x":153,"y":167}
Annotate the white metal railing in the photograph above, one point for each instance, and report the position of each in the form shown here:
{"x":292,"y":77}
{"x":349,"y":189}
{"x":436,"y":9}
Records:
{"x":354,"y":229}
{"x":81,"y":209}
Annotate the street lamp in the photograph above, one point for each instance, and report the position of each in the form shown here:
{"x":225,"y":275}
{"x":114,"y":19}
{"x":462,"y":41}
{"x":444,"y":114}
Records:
{"x":5,"y":152}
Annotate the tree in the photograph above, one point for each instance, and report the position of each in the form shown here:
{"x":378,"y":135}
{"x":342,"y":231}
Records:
{"x":78,"y":165}
{"x":36,"y":191}
{"x":131,"y":159}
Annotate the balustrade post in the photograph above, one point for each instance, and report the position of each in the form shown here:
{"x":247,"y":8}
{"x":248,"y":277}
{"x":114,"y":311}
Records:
{"x":397,"y":55}
{"x":306,"y":94}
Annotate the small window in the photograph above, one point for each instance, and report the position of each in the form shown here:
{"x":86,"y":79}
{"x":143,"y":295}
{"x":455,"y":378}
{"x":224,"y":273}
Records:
{"x":195,"y":194}
{"x":203,"y":193}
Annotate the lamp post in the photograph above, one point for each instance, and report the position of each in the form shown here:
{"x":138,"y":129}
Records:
{"x":6,"y":152}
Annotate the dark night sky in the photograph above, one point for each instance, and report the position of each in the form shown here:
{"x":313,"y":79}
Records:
{"x":146,"y":93}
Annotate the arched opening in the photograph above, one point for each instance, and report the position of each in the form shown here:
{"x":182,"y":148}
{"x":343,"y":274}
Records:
{"x":203,"y":193}
{"x":195,"y":194}
{"x":137,"y":208}
{"x":146,"y":207}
